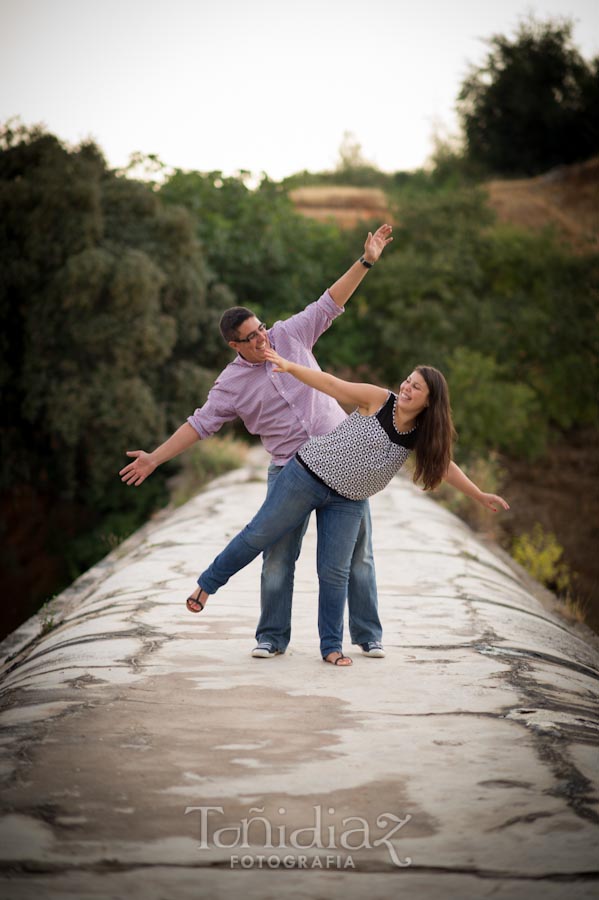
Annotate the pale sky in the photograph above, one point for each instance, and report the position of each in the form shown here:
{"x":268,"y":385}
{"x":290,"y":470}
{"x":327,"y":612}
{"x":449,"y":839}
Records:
{"x":264,"y":85}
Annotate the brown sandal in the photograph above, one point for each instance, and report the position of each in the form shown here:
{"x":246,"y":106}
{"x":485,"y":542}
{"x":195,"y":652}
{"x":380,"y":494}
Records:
{"x":335,"y":662}
{"x":195,"y":600}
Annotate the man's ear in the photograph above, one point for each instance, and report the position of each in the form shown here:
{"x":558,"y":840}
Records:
{"x":232,"y":344}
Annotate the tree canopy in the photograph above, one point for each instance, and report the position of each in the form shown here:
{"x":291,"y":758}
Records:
{"x":509,"y":315}
{"x":534,"y":102}
{"x":258,"y":249}
{"x":102,"y":301}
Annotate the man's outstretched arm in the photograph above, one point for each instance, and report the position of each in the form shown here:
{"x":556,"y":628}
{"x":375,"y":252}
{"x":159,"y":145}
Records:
{"x":144,"y":463}
{"x":374,"y":245}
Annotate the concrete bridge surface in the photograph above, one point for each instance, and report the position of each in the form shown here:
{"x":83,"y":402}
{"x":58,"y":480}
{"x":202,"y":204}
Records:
{"x":145,"y":754}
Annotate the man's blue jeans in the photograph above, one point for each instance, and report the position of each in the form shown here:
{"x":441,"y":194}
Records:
{"x":291,"y":496}
{"x":278,"y":570}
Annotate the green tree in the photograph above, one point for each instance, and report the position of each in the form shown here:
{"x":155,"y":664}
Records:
{"x":102,"y":307}
{"x":533,"y":104}
{"x":427,"y":297}
{"x":259,"y":250}
{"x":544,"y":325}
{"x":103,"y":287}
{"x":492,"y":410}
{"x":508,"y":315}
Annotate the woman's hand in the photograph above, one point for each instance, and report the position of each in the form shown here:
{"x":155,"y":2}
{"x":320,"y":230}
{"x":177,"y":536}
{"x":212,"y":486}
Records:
{"x":492,"y":502}
{"x":137,"y":471}
{"x":279,"y":363}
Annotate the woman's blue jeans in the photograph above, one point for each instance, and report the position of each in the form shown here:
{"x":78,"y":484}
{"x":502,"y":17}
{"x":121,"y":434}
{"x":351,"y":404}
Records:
{"x":289,"y":501}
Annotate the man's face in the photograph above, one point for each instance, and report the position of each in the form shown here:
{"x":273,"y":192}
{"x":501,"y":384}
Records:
{"x":253,"y":340}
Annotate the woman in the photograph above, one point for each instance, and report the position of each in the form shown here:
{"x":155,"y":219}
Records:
{"x":335,"y":473}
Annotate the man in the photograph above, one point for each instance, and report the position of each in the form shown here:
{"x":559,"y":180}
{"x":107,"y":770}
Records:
{"x":284,"y":415}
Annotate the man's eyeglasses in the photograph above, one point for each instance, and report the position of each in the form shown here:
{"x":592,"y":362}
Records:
{"x":252,"y":335}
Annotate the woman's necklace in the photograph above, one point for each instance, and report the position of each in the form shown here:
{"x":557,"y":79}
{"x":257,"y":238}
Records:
{"x":402,"y":429}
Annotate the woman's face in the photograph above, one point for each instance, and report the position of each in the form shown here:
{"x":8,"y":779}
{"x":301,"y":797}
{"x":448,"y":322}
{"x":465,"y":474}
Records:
{"x":413,"y":394}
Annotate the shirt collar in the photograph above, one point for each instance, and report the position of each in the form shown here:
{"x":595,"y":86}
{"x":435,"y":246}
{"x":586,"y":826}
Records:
{"x":244,"y":362}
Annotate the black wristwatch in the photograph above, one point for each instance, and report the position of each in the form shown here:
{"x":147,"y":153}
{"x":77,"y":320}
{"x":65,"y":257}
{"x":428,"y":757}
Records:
{"x":365,"y":263}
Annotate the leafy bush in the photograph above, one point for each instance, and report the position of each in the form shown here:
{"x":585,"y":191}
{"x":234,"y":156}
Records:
{"x":490,"y":411}
{"x":540,"y":554}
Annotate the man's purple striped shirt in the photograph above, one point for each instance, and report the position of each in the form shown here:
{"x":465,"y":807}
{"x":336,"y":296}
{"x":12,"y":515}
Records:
{"x":283,"y":411}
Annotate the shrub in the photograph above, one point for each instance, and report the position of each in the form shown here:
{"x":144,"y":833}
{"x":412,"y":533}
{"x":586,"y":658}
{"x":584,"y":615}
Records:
{"x":539,"y":552}
{"x":205,"y":461}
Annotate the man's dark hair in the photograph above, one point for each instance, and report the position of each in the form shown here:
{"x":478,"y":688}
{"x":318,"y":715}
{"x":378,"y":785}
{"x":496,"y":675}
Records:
{"x":231,"y":319}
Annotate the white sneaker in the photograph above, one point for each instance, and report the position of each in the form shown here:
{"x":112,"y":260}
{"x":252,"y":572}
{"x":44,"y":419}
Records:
{"x":373,"y":648}
{"x":264,"y":650}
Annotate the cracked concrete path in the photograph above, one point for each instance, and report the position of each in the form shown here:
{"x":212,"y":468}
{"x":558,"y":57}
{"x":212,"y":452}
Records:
{"x":145,"y":754}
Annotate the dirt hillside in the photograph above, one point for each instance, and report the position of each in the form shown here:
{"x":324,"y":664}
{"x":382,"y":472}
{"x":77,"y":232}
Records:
{"x":566,"y":198}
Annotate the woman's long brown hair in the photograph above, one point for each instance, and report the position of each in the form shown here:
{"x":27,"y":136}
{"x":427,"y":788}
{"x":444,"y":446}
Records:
{"x":436,"y":433}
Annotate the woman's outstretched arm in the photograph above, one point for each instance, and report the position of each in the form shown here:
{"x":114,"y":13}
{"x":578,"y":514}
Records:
{"x":367,"y":397}
{"x":459,"y":480}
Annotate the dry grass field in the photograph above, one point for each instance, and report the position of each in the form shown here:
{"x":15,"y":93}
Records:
{"x":344,"y":205}
{"x":566,"y":198}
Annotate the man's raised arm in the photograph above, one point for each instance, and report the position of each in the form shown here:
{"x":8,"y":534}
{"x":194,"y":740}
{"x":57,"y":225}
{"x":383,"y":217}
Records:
{"x":374,"y":245}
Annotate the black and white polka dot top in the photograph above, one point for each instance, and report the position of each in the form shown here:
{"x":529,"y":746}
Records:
{"x":360,"y":456}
